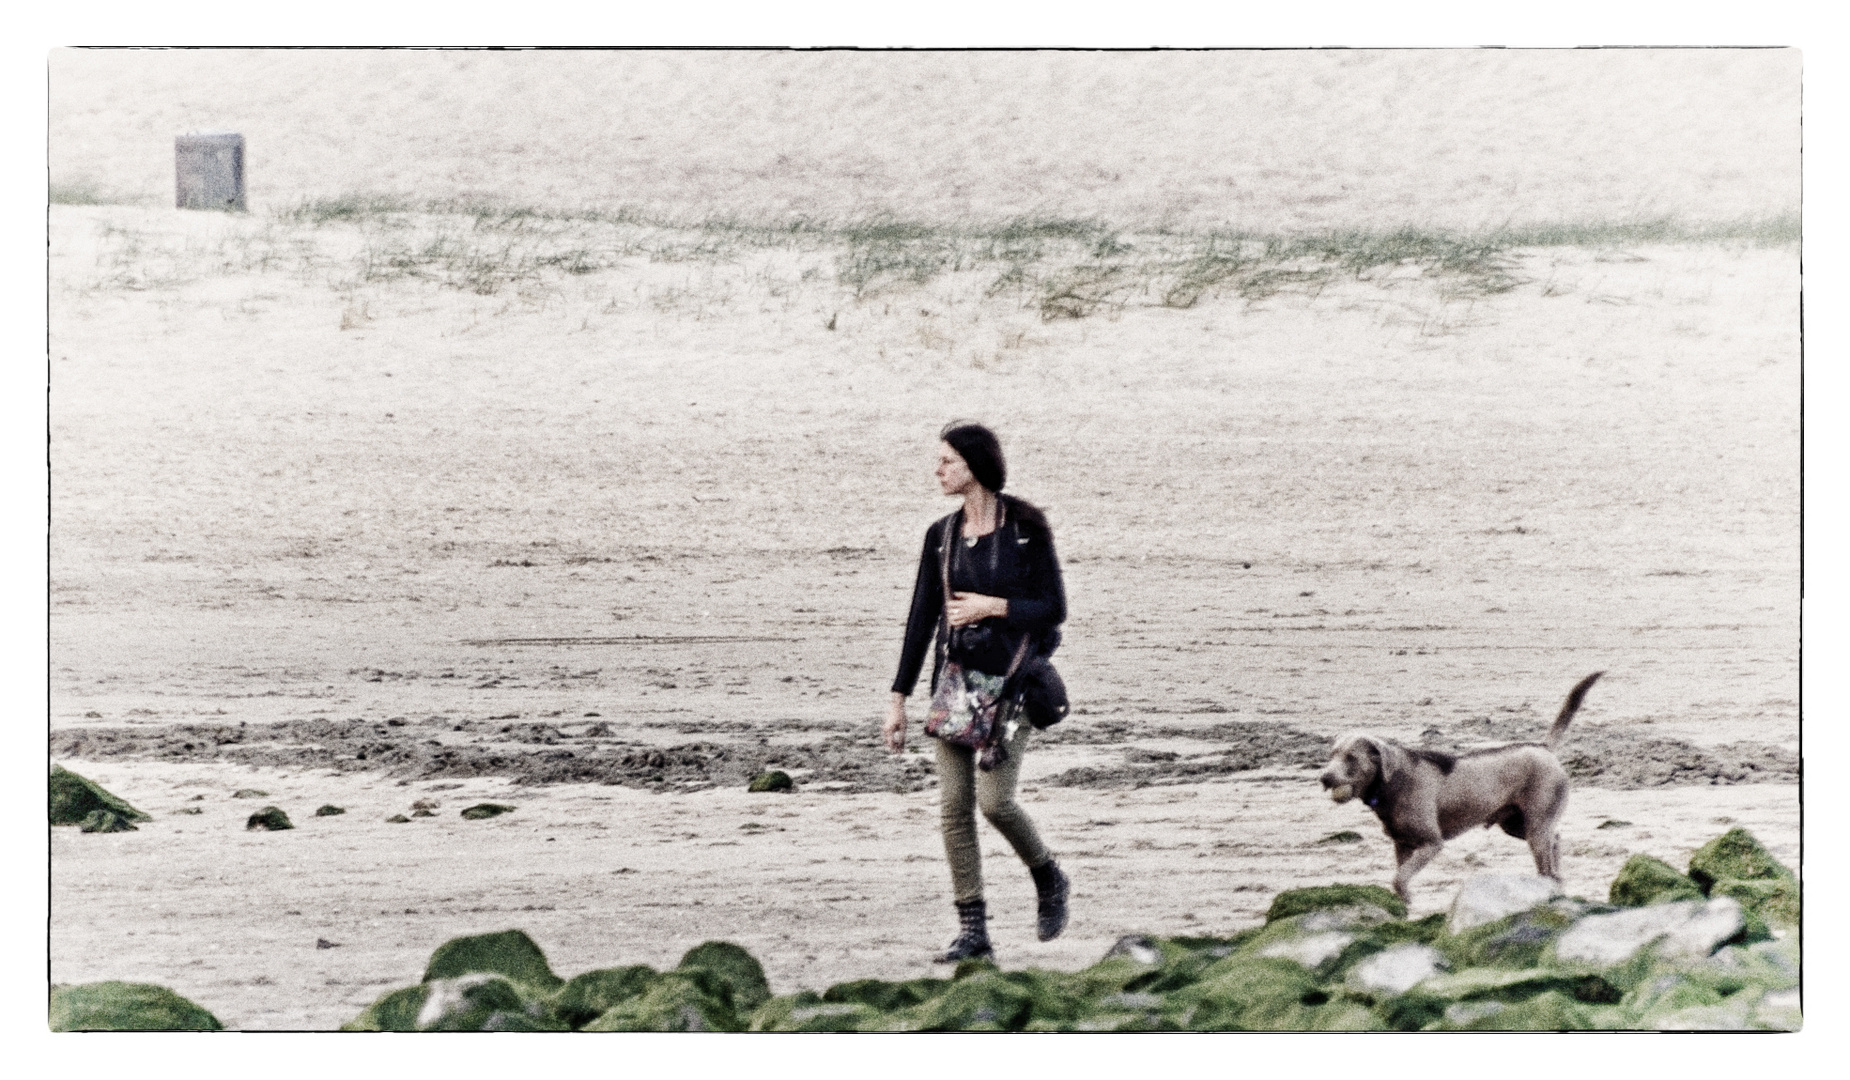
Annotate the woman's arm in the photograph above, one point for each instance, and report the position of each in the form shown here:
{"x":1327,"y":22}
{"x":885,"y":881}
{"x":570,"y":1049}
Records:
{"x":922,"y":619}
{"x":1043,"y":605}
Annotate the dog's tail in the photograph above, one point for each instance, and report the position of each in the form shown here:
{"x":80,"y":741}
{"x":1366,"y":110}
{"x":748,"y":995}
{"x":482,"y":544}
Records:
{"x":1559,"y":731}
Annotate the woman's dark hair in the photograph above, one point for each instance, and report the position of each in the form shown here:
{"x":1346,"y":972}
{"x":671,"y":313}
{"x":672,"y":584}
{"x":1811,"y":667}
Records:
{"x":982,"y":452}
{"x":980,"y":449}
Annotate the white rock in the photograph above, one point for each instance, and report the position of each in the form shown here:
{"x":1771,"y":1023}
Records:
{"x":1465,"y":1012}
{"x":1396,"y":970}
{"x":1685,"y":928}
{"x":1311,"y":949}
{"x":1137,"y":947}
{"x":1780,"y":1009}
{"x":448,"y":995}
{"x":1489,"y":897}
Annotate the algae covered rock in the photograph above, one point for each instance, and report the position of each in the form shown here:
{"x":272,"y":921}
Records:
{"x":486,"y":810}
{"x":121,"y":1006}
{"x":270,"y":819}
{"x":985,"y":1001}
{"x":1646,"y":880}
{"x":592,"y":994}
{"x":1735,"y":854}
{"x":1549,"y":1011}
{"x":1298,"y":901}
{"x":482,"y":1002}
{"x":1774,"y":901}
{"x":105,"y":821}
{"x":1515,"y":941}
{"x":479,"y":1001}
{"x":73,"y":799}
{"x":775,"y":780}
{"x":1247,"y":993}
{"x":809,"y":1014}
{"x":738,"y":976}
{"x":398,"y":819}
{"x":675,"y":1001}
{"x":250,"y":793}
{"x":885,"y":996}
{"x":510,"y":953}
{"x":396,"y":1010}
{"x":1488,"y":999}
{"x":1489,"y":897}
{"x":329,"y":810}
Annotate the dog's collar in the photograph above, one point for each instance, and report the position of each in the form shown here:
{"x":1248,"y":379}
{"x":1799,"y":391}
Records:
{"x":1371,"y":796}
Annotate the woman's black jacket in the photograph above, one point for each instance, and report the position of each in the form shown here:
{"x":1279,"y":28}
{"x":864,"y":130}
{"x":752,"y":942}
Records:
{"x":1015,"y":562}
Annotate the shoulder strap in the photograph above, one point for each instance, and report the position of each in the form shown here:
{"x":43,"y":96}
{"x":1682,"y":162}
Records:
{"x":951,"y":521}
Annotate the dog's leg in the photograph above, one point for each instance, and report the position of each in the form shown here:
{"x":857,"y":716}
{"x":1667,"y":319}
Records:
{"x":1547,"y":852}
{"x":1413,"y":858}
{"x":1544,"y":839}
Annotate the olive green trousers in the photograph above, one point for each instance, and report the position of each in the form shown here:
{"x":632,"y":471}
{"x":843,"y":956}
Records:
{"x":962,"y":790}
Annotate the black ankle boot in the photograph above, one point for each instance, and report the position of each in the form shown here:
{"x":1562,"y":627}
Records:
{"x":1050,"y":885}
{"x":973,"y":940}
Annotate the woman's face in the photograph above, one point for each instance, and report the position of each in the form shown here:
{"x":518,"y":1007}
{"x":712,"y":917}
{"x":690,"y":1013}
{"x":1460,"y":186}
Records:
{"x":953,"y":475}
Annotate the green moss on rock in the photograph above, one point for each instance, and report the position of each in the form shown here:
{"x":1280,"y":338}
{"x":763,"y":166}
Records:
{"x":592,"y":994}
{"x":486,"y":810}
{"x":105,"y":821}
{"x":1514,"y":941}
{"x":885,"y":996}
{"x":1770,"y":901}
{"x":1550,"y":1011}
{"x":805,"y":1012}
{"x":122,"y":1006}
{"x":72,"y":799}
{"x":775,"y":780}
{"x":1735,"y":854}
{"x":676,"y":1001}
{"x":1248,"y":993}
{"x":329,"y":810}
{"x":1298,"y":901}
{"x":396,"y":1010}
{"x":985,"y":1001}
{"x":1646,"y":880}
{"x":483,"y":1002}
{"x":740,"y":977}
{"x":510,"y":953}
{"x":270,"y":819}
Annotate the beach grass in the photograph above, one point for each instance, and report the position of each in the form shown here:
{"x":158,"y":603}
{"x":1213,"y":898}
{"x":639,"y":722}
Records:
{"x":1058,"y":267}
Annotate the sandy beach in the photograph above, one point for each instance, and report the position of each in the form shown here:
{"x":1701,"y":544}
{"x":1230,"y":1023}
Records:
{"x":605,"y":535}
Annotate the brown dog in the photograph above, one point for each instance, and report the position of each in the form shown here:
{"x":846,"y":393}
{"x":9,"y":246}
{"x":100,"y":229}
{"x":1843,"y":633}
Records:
{"x":1425,"y":797}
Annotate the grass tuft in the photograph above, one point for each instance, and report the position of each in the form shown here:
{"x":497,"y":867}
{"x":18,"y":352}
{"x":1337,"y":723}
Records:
{"x":1059,"y":268}
{"x":78,"y":193}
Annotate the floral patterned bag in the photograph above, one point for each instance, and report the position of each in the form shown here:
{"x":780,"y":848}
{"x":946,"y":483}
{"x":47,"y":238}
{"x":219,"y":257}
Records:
{"x":967,"y":706}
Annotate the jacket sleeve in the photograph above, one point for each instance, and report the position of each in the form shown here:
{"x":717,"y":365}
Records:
{"x":922,"y":621}
{"x":1043,"y":603}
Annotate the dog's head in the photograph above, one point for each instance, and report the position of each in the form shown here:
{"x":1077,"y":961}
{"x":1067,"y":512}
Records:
{"x":1357,"y":762}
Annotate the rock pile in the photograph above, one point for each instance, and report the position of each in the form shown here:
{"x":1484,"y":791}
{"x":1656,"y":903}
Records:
{"x":77,"y":801}
{"x":120,"y":1006}
{"x":1715,"y":948}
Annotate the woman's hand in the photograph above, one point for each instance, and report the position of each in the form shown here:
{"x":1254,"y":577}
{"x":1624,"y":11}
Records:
{"x":894,"y":730}
{"x":966,"y":608}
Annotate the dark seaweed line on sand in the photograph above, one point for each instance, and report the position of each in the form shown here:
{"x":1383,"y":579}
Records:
{"x":639,"y":639}
{"x":542,"y":753}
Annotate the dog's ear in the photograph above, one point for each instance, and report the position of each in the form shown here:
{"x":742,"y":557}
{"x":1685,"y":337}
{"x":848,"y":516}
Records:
{"x":1387,"y":763}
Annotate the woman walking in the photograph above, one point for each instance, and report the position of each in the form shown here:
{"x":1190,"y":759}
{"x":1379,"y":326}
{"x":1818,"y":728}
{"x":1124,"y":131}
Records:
{"x":1003,"y":602}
